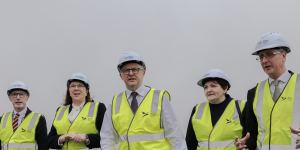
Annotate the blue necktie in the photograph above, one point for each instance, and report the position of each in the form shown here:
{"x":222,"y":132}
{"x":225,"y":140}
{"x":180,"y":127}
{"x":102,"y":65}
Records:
{"x":134,"y":103}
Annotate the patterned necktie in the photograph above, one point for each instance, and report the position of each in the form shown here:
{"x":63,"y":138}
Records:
{"x":15,"y":121}
{"x":276,"y":90}
{"x":134,"y":103}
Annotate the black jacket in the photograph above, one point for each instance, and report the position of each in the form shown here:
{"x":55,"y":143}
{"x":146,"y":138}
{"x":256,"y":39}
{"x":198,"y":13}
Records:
{"x":40,"y":132}
{"x":249,"y":120}
{"x":94,"y":138}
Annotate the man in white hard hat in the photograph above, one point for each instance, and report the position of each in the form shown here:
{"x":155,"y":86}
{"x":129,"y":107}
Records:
{"x":141,"y":117}
{"x":22,"y":128}
{"x":272,"y":111}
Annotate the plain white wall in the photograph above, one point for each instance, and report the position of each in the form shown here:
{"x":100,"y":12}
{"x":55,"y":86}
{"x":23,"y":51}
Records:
{"x":43,"y":42}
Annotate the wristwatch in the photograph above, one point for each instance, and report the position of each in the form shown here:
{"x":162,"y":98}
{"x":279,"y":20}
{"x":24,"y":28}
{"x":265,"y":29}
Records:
{"x":87,"y":140}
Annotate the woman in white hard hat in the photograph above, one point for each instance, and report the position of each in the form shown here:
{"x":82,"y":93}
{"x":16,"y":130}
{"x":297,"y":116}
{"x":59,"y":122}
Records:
{"x":214,"y":124}
{"x":78,"y":122}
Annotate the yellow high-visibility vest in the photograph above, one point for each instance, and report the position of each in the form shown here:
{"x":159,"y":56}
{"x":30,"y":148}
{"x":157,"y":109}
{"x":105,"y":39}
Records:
{"x":83,"y":124}
{"x":275,"y":118}
{"x":142,"y":131}
{"x":221,"y":136}
{"x":23,"y":137}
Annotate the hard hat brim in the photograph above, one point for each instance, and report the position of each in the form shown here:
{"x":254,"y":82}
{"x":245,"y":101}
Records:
{"x":120,"y":66}
{"x":16,"y":89}
{"x":78,"y":80}
{"x":200,"y":82}
{"x":287,"y":49}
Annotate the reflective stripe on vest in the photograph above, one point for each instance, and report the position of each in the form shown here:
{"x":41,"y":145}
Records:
{"x":259,"y":113}
{"x":220,"y":144}
{"x":64,"y":108}
{"x":62,"y":111}
{"x":276,"y":147}
{"x":295,"y":117}
{"x":155,"y":99}
{"x":91,"y":110}
{"x":33,"y":120}
{"x":296,"y":111}
{"x":142,"y":137}
{"x":31,"y":124}
{"x":201,"y":109}
{"x":5,"y":120}
{"x":19,"y":145}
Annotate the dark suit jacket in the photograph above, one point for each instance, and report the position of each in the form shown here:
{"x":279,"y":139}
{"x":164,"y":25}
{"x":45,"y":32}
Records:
{"x":40,"y":132}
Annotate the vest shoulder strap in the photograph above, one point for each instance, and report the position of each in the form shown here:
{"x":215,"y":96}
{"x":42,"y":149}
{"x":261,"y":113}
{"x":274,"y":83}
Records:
{"x":5,"y":118}
{"x":62,"y":111}
{"x":33,"y":120}
{"x":237,"y":105}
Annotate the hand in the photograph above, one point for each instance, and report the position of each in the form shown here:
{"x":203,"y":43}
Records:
{"x":240,"y":144}
{"x":79,"y":138}
{"x":64,"y":138}
{"x":297,"y":132}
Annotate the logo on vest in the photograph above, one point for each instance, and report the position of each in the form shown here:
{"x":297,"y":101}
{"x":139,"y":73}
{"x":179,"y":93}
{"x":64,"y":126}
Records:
{"x":286,"y":98}
{"x":83,"y":118}
{"x":23,"y":130}
{"x":228,"y":121}
{"x":145,"y":114}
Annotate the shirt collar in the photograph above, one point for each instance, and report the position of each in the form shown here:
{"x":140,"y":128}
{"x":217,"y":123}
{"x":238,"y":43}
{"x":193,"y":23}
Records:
{"x":283,"y":78}
{"x":142,"y":91}
{"x":21,"y":113}
{"x":78,"y":107}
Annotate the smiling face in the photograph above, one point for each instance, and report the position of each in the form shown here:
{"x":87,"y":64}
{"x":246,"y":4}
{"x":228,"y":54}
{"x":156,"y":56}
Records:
{"x":78,"y":91}
{"x":273,"y":62}
{"x":214,"y":92}
{"x":18,"y":98}
{"x":132,"y":74}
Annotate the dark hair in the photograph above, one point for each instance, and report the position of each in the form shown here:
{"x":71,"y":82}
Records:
{"x":223,"y":83}
{"x":120,"y":66}
{"x":68,"y":100}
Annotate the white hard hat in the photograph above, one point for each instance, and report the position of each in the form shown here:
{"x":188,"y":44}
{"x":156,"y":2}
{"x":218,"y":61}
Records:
{"x":17,"y":85}
{"x":129,"y":56}
{"x":271,"y":40}
{"x":214,"y":73}
{"x":79,"y":76}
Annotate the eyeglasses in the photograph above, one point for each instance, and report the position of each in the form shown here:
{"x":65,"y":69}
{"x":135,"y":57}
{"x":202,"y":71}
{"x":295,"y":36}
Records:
{"x":267,"y":55}
{"x":73,"y":86}
{"x":16,"y":94}
{"x":133,"y":70}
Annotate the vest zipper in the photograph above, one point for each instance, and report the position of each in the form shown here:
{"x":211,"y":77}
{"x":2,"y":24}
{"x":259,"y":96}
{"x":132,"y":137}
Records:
{"x":209,"y":138}
{"x":270,"y":134}
{"x":134,"y":116}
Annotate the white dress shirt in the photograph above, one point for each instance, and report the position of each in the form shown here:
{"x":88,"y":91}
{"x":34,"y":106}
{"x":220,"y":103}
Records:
{"x":75,"y":111}
{"x":110,"y":139}
{"x":283,"y":80}
{"x":22,"y":115}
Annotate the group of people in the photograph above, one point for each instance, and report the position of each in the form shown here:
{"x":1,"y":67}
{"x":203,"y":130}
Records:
{"x":141,"y":117}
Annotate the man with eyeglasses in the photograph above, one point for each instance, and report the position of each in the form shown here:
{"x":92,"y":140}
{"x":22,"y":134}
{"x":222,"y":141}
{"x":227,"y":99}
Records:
{"x":141,"y":117}
{"x":271,"y":116}
{"x":22,"y":128}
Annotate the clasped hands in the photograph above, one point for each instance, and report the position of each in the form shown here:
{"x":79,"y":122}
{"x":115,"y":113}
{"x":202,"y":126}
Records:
{"x":79,"y":138}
